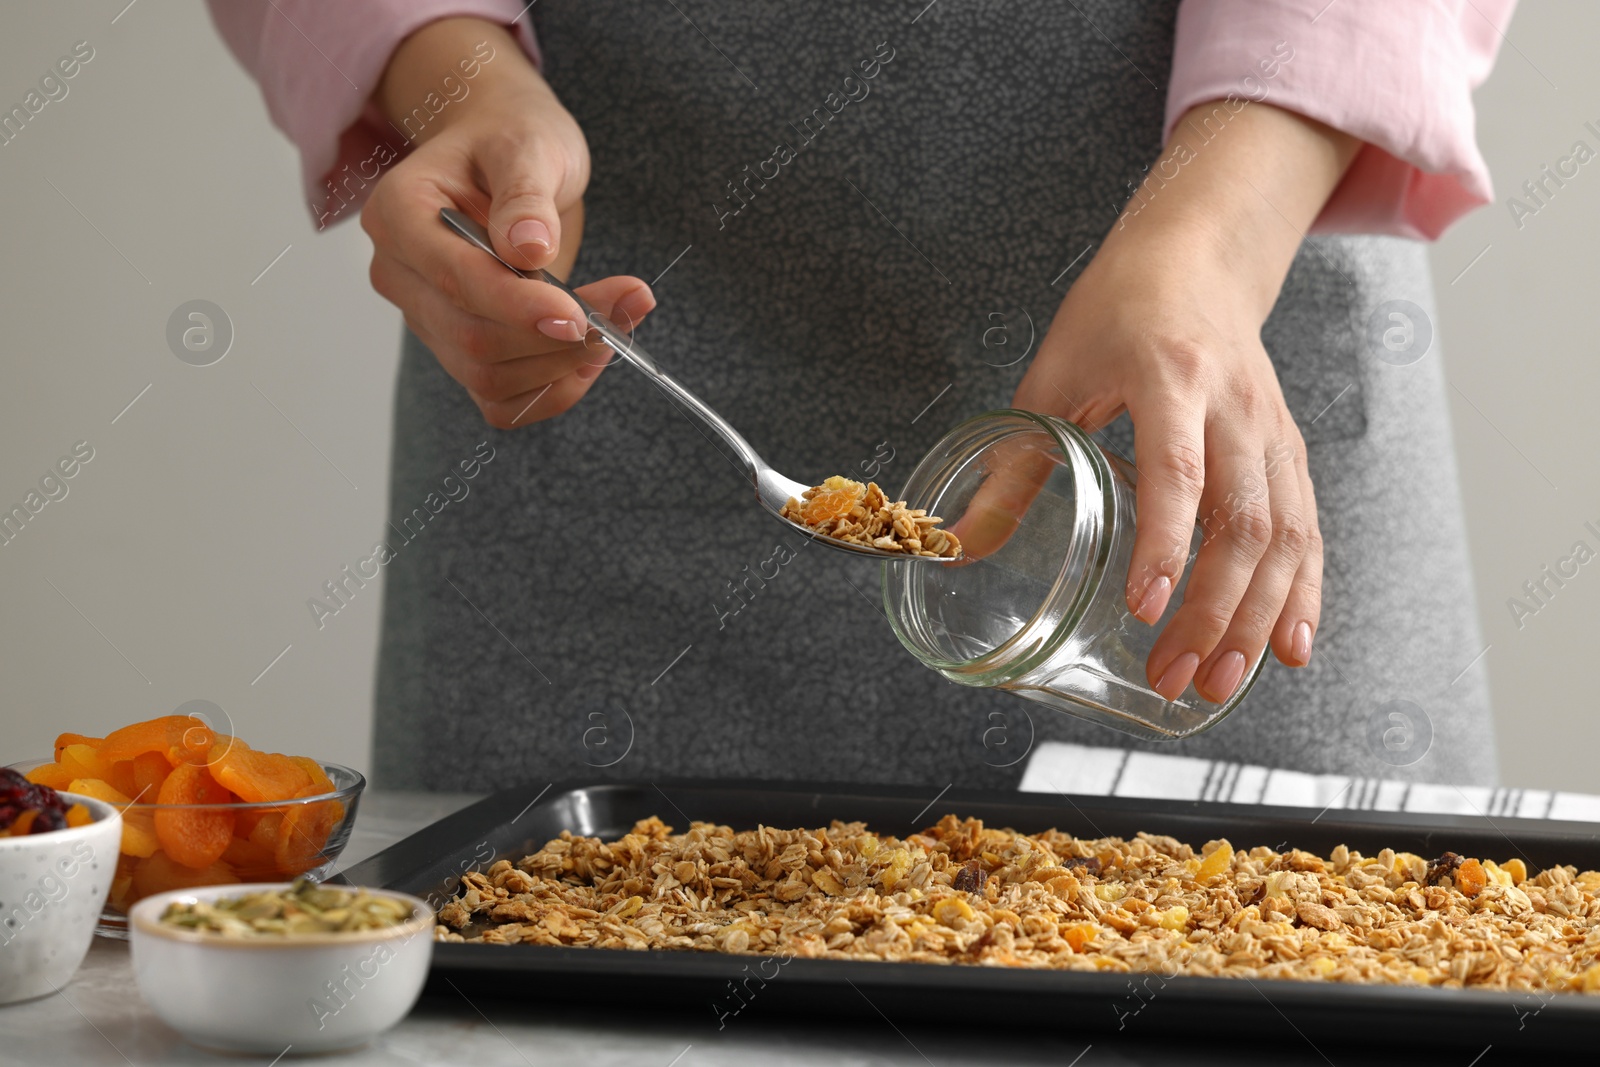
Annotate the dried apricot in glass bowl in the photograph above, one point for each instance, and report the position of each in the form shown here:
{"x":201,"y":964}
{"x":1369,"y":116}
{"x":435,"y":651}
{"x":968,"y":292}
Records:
{"x":200,"y":830}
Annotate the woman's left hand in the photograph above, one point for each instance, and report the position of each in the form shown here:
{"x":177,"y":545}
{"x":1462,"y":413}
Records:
{"x":1165,"y":323}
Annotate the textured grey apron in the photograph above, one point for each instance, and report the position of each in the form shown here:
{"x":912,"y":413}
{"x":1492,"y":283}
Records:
{"x":608,"y":601}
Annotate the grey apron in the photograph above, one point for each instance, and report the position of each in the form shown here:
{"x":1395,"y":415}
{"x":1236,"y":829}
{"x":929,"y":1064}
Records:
{"x":846,"y":269}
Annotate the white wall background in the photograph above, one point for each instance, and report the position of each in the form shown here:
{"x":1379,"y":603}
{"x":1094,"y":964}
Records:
{"x":1519,"y":344}
{"x":179,"y":563}
{"x":184,"y":552}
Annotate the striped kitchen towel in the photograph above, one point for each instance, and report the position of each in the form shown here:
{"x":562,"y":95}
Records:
{"x":1057,"y":767}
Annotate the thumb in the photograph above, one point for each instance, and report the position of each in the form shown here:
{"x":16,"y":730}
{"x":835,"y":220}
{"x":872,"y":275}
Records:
{"x":524,"y":223}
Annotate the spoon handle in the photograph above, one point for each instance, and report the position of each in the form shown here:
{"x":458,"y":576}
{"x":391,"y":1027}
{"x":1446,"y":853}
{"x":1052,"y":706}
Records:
{"x":620,"y":342}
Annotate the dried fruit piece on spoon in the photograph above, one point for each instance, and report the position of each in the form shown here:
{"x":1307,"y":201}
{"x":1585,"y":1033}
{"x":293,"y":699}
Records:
{"x":860,"y":514}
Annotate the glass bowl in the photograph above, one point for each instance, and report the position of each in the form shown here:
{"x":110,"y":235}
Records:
{"x":273,"y":841}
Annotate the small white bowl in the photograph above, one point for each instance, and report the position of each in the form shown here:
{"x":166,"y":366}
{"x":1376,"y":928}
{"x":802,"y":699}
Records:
{"x":52,"y":887}
{"x":311,"y":993}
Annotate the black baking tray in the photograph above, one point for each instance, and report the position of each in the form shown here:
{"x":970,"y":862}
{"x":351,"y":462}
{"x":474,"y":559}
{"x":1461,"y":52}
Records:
{"x":515,"y":822}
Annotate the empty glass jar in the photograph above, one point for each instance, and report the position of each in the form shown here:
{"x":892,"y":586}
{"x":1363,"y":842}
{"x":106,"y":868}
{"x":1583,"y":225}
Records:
{"x":1047,"y":521}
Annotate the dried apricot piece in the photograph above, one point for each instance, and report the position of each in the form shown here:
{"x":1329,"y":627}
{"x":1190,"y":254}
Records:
{"x":1078,"y":936}
{"x":1214,"y":864}
{"x":139,"y":834}
{"x":152,"y":735}
{"x":120,"y":774}
{"x":194,"y":838}
{"x":266,"y":829}
{"x":159,"y":873}
{"x":194,"y":743}
{"x":51,"y":774}
{"x":319,"y":777}
{"x":181,"y":738}
{"x":78,"y":815}
{"x":82,"y":761}
{"x":22,"y":824}
{"x":221,"y":744}
{"x":63,"y":740}
{"x":121,"y":889}
{"x":265,"y":832}
{"x":100,"y":790}
{"x":1470,"y":877}
{"x":245,"y":825}
{"x":138,"y":828}
{"x":833,"y":499}
{"x":220,"y":749}
{"x":250,"y":861}
{"x":259,"y":776}
{"x":304,"y":833}
{"x":150,"y":769}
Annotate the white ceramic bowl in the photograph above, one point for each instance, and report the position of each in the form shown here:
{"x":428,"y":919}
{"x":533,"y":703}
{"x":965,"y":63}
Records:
{"x":314,"y":993}
{"x":52,"y":887}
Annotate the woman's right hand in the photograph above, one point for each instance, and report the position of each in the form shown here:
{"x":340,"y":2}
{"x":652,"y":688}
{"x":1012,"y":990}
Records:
{"x":510,"y":155}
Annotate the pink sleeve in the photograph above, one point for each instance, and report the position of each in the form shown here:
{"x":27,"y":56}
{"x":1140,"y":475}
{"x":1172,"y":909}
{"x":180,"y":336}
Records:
{"x":318,"y":63}
{"x":1397,"y":75}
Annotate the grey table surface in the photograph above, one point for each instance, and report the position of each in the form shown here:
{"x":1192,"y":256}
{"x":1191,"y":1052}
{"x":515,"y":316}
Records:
{"x":99,"y":1020}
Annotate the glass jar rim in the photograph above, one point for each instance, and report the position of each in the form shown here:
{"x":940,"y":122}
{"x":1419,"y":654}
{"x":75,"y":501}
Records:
{"x":1023,"y":650}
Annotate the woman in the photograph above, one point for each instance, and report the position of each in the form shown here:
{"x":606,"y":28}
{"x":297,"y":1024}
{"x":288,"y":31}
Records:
{"x":861,"y":223}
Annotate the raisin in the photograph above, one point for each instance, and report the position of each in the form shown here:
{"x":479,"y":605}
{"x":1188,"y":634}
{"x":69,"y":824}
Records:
{"x":1089,"y":864}
{"x":27,"y":808}
{"x":13,"y":786}
{"x":42,"y":796}
{"x":1444,"y":865}
{"x":48,"y":819}
{"x":970,"y":878}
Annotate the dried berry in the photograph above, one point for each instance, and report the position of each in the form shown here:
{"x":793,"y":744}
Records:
{"x":970,"y":878}
{"x":48,"y":819}
{"x":42,"y":796}
{"x":13,"y":786}
{"x":1088,"y":864}
{"x":26,"y":808}
{"x":1444,"y":865}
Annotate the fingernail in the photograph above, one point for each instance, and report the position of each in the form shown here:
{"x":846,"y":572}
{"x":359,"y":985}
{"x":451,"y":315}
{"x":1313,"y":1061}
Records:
{"x":1154,"y":601}
{"x":561,"y":329}
{"x":531,"y":237}
{"x":1300,"y":643}
{"x":1175,"y":679}
{"x":1226,"y":674}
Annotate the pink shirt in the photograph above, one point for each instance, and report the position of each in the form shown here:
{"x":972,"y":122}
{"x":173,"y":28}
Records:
{"x":1398,"y":75}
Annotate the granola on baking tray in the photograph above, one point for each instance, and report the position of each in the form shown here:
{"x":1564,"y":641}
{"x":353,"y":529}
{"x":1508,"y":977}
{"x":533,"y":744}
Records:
{"x":959,"y":892}
{"x":863,"y":515}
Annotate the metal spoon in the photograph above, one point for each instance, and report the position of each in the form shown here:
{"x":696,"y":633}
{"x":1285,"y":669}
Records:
{"x":773,"y":490}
